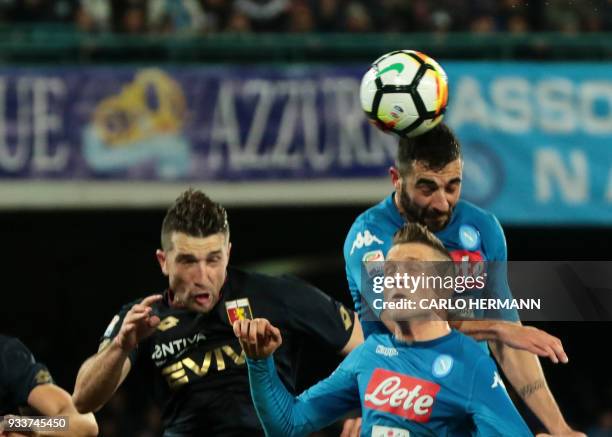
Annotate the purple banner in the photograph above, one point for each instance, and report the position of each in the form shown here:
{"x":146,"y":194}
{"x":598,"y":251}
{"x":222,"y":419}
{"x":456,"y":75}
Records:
{"x":187,"y":124}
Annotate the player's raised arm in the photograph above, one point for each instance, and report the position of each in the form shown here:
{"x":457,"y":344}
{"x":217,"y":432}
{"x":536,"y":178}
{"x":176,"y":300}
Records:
{"x":280,"y":412}
{"x":514,"y":335}
{"x":101,"y":375}
{"x":522,"y":367}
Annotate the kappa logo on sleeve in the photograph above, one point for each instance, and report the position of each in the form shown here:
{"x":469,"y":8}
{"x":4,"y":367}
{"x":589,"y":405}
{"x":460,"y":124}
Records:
{"x":402,"y":395}
{"x":497,"y":381}
{"x":364,"y":240}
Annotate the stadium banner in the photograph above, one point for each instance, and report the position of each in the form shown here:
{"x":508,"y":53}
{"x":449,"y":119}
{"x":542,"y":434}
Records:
{"x":537,"y":137}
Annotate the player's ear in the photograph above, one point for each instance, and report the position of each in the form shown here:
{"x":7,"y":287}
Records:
{"x":395,"y":177}
{"x":161,"y":259}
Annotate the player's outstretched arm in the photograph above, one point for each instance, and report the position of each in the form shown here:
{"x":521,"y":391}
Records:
{"x":101,"y":375}
{"x":514,"y":335}
{"x":525,"y":373}
{"x":281,"y":413}
{"x":51,"y":400}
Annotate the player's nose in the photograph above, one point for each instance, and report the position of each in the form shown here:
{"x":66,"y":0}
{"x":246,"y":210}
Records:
{"x":439,"y":202}
{"x":200,"y":272}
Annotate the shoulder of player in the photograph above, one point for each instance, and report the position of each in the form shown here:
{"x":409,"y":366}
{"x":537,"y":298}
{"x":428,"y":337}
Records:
{"x":484,"y":220}
{"x":8,"y":343}
{"x":265,"y":284}
{"x":13,"y":350}
{"x":372,"y":217}
{"x":368,"y":223}
{"x":471,"y":351}
{"x":4,"y":340}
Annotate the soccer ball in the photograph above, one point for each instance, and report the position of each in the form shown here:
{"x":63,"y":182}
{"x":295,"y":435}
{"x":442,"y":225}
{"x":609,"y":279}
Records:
{"x":406,"y":92}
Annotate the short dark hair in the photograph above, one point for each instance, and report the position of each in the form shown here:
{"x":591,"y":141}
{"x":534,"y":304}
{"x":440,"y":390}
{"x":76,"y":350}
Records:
{"x":417,"y":233}
{"x":435,"y":148}
{"x":194,"y":214}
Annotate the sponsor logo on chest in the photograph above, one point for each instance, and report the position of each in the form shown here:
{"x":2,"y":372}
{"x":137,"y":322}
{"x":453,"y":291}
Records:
{"x":402,"y":395}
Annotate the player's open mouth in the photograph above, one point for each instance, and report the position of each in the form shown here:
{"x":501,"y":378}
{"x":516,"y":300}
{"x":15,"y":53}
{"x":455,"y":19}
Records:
{"x":202,"y":298}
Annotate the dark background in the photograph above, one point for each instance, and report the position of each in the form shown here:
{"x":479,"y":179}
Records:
{"x":67,"y":273}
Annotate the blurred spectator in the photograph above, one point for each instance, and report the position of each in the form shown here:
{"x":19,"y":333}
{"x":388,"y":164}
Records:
{"x":134,"y":21}
{"x":30,"y":11}
{"x":217,"y":14}
{"x":517,"y":24}
{"x":300,"y":17}
{"x":483,"y":24}
{"x":358,"y":18}
{"x":328,"y":15}
{"x":573,"y":16}
{"x":265,"y":15}
{"x":175,"y":16}
{"x":238,"y":23}
{"x":194,"y":17}
{"x":94,"y":15}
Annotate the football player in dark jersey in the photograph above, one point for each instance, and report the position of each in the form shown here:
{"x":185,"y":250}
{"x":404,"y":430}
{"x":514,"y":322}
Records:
{"x":26,"y":385}
{"x":185,"y":335}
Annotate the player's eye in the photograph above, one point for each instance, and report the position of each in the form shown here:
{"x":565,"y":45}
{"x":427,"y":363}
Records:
{"x":186,"y":260}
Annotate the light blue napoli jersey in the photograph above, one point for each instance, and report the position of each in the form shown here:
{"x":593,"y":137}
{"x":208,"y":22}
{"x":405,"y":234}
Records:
{"x":473,"y":234}
{"x":443,"y":387}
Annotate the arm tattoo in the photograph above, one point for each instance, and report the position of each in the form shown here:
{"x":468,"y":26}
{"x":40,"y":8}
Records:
{"x":529,"y":389}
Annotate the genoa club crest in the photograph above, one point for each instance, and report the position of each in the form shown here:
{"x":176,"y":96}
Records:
{"x":238,"y":310}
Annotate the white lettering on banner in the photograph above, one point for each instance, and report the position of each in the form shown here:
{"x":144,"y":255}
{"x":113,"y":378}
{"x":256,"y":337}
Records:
{"x":471,"y":105}
{"x":281,"y":156}
{"x":45,"y":123}
{"x":224,"y":129}
{"x":511,"y":97}
{"x":592,"y":91}
{"x":28,"y":134}
{"x":573,"y":182}
{"x":318,"y":159}
{"x":366,"y":239}
{"x":352,"y":142}
{"x":344,"y":140}
{"x":554,"y":103}
{"x":563,"y":106}
{"x":16,"y":159}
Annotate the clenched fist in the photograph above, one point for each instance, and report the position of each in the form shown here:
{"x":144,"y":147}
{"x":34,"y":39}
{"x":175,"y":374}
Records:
{"x":258,"y":337}
{"x":138,"y":324}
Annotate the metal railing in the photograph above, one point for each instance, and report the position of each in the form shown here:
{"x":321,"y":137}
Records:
{"x":53,"y":43}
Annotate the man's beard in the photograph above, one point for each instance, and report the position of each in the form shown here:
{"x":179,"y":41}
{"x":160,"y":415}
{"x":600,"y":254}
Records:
{"x":430,"y":218}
